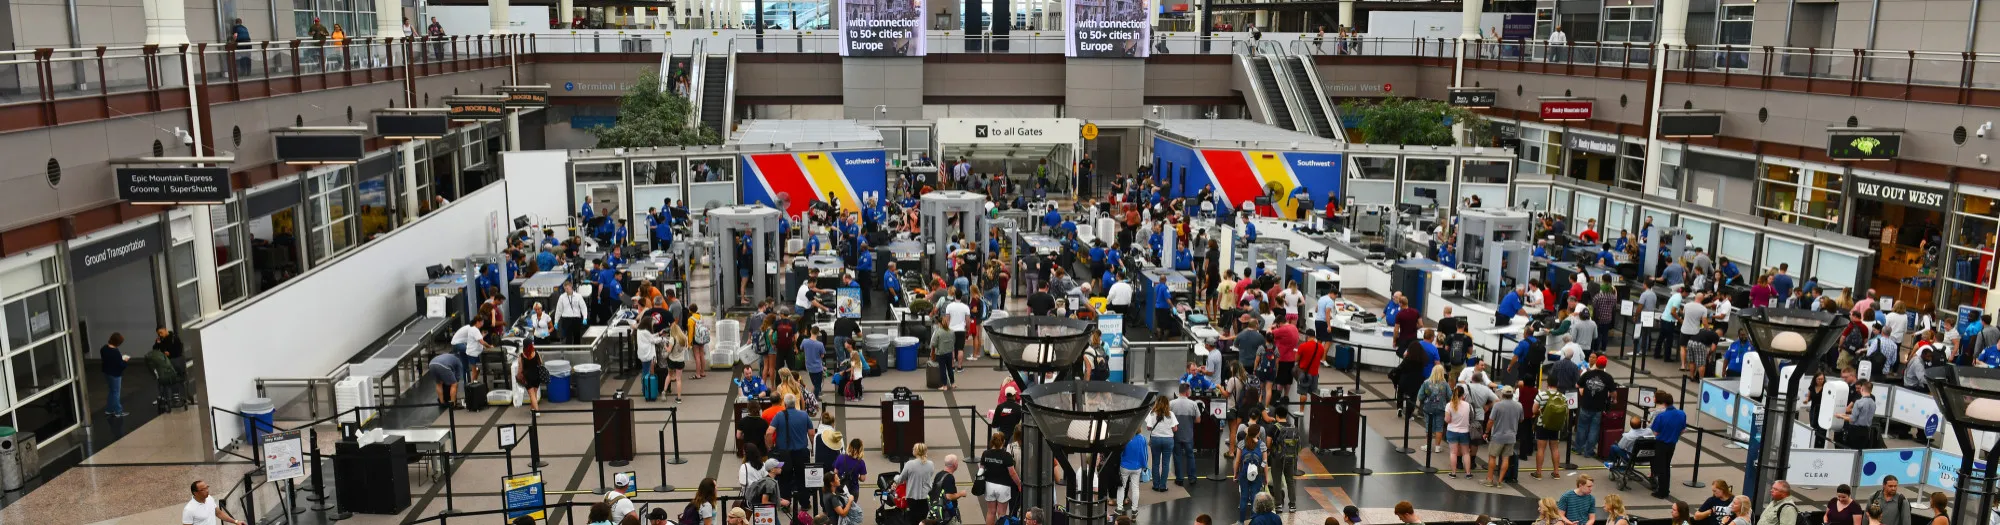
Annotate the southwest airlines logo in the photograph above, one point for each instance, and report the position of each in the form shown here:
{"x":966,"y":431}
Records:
{"x":866,"y":161}
{"x":1309,"y":163}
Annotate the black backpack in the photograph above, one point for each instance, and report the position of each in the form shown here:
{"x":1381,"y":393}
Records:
{"x":691,"y":514}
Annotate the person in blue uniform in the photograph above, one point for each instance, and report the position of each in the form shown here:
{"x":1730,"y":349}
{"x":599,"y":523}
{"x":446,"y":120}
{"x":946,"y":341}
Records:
{"x":489,"y":278}
{"x":1388,"y":312}
{"x":619,"y":235}
{"x":549,"y":238}
{"x":812,"y":243}
{"x":663,"y":233}
{"x":1731,"y":274}
{"x":1541,"y":251}
{"x":1509,"y":306}
{"x":1163,"y":309}
{"x":894,"y":285}
{"x":1052,"y":219}
{"x":1097,"y":254}
{"x":1605,"y":257}
{"x":1249,"y":232}
{"x":1154,"y":242}
{"x":1114,"y":261}
{"x":546,"y":261}
{"x":1105,"y":283}
{"x":1183,"y":260}
{"x":585,"y":210}
{"x":784,"y":227}
{"x":865,"y":264}
{"x":1446,"y":257}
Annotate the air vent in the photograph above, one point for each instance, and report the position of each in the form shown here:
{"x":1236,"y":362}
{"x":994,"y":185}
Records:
{"x":1853,"y":122}
{"x":236,"y":135}
{"x":1958,"y":136}
{"x":55,"y":172}
{"x":160,"y":150}
{"x":1763,"y":114}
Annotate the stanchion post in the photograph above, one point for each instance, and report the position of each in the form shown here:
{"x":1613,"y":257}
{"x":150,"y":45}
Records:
{"x":1361,"y":449}
{"x":535,"y":440}
{"x":675,"y":417}
{"x":1428,"y":452}
{"x":1223,"y":437}
{"x":1681,"y":402}
{"x":318,"y":486}
{"x":1406,"y":438}
{"x":451,"y":422}
{"x":1569,"y":451}
{"x":1694,"y":478}
{"x":664,"y":486}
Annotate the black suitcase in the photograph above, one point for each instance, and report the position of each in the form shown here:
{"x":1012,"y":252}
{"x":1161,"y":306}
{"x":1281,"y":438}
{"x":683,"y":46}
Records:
{"x":475,"y":397}
{"x":934,"y":376}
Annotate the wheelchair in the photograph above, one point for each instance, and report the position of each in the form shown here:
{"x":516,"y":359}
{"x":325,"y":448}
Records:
{"x":1624,"y":469}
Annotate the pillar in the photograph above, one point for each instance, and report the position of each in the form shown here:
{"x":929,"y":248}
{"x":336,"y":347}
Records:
{"x":1673,"y":23}
{"x":389,"y":19}
{"x":565,"y":12}
{"x":166,"y":22}
{"x":498,"y":8}
{"x":1469,"y":20}
{"x":409,"y":169}
{"x":1347,"y":14}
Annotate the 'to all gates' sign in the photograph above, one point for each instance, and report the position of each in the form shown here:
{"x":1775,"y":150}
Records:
{"x":1567,"y":109}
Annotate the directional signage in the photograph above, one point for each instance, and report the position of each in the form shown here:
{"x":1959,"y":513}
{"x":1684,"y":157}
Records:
{"x":1474,"y":97}
{"x":1089,"y":132}
{"x":1681,"y":123}
{"x":173,"y":185}
{"x":411,"y":126}
{"x":1567,"y":109}
{"x":1863,"y":143}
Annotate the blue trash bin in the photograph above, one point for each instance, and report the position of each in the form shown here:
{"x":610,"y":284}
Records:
{"x":558,"y":381}
{"x":257,"y":419}
{"x":906,"y":353}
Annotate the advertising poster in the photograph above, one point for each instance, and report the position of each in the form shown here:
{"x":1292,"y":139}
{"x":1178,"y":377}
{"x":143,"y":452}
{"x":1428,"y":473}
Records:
{"x":284,"y":455}
{"x":1239,"y":176}
{"x":848,"y":303}
{"x":882,"y":28}
{"x":1107,"y":29}
{"x":840,"y":177}
{"x":1905,"y":464}
{"x":524,"y":492}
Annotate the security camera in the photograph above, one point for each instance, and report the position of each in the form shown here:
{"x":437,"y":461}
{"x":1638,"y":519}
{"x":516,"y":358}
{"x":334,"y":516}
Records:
{"x":188,"y":138}
{"x":1983,"y":128}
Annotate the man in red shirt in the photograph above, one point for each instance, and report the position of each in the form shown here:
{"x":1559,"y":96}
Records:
{"x":1311,"y":354}
{"x":1408,"y":321}
{"x":1285,"y":336}
{"x":1589,"y":234}
{"x":1332,"y":211}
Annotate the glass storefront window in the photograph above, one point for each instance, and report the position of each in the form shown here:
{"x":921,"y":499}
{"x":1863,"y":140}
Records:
{"x":231,"y":273}
{"x":1802,"y":196}
{"x":332,"y":215}
{"x":40,"y":393}
{"x":1427,"y":174}
{"x":1588,"y":207}
{"x":1374,"y":180}
{"x":1700,"y":232}
{"x":34,"y":316}
{"x":1783,"y":252}
{"x":1739,"y":245}
{"x":1532,"y":197}
{"x":1968,"y":271}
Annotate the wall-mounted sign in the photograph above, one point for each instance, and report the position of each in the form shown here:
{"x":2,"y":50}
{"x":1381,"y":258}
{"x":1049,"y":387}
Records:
{"x":1680,"y":123}
{"x":1101,"y":29}
{"x":1561,"y":110}
{"x":477,"y":110}
{"x":173,"y":185}
{"x":101,"y":255}
{"x":411,"y":126}
{"x":1009,"y":130}
{"x":338,"y":148}
{"x":1578,"y":142}
{"x":1899,"y":193}
{"x":1474,"y":97}
{"x":534,"y":98}
{"x":1863,"y":143}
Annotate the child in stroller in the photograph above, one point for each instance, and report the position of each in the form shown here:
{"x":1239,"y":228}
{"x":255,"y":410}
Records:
{"x":890,"y":497}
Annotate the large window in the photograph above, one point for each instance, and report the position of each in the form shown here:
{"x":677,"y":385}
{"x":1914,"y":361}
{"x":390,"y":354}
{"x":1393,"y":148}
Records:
{"x":232,"y":273}
{"x":332,"y":214}
{"x":1802,"y":196}
{"x":355,"y":17}
{"x":40,"y":394}
{"x":1540,"y":152}
{"x":1632,"y":167}
{"x":1732,"y":27}
{"x":1374,"y":180}
{"x":1968,"y":271}
{"x":1633,"y":24}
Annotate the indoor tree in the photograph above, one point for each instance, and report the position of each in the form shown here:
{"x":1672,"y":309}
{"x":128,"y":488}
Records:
{"x":651,"y":116}
{"x":1409,"y":121}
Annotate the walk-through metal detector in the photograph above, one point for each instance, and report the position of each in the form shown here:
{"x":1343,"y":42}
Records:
{"x":939,"y":210}
{"x":732,"y":225}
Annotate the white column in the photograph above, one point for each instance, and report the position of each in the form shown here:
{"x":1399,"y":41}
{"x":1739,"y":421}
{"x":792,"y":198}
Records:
{"x":389,"y":19}
{"x":1469,"y":20}
{"x":514,"y":130}
{"x":409,"y":164}
{"x":166,"y":22}
{"x":565,"y":12}
{"x":1673,"y":23}
{"x":1347,"y":14}
{"x":1153,"y":21}
{"x":498,"y":8}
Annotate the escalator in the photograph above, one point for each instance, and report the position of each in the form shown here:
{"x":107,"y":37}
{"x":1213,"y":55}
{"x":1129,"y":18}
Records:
{"x":1274,"y":94}
{"x":714,"y":93}
{"x":1312,"y":101}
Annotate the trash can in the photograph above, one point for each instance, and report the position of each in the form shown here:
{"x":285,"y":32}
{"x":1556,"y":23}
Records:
{"x":906,"y":353}
{"x":588,"y":378}
{"x":559,"y":381}
{"x":875,"y":350}
{"x":257,"y":418}
{"x":11,"y":476}
{"x":1335,"y":420}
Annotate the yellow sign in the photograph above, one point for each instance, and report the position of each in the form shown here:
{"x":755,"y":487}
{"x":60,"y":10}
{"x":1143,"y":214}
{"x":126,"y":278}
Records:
{"x":1089,"y":132}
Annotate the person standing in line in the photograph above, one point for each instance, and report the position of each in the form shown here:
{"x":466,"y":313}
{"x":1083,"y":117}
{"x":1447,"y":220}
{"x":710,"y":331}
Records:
{"x":815,"y":354}
{"x":202,"y":509}
{"x":1895,"y":506}
{"x":1502,"y":428}
{"x":1594,"y":389}
{"x":1131,"y":466}
{"x":1000,"y":474}
{"x":1667,"y":429}
{"x":1187,"y":413}
{"x":114,"y":374}
{"x":944,"y":348}
{"x":1161,"y":427}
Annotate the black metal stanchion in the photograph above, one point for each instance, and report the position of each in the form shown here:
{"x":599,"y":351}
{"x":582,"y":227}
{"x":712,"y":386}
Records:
{"x":451,"y":420}
{"x":1428,"y":452}
{"x":675,"y":417}
{"x":1681,"y":402}
{"x":664,"y":486}
{"x":317,"y":485}
{"x":1694,"y":478}
{"x":250,"y":498}
{"x":1223,"y":437}
{"x":1361,"y":449}
{"x":1405,"y":449}
{"x":535,"y":440}
{"x":1569,"y":450}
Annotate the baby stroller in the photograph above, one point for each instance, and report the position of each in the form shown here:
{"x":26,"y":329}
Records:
{"x":1624,"y":465}
{"x":893,"y":504}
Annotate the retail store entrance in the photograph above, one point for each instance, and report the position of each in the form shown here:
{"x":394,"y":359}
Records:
{"x":1904,"y":222}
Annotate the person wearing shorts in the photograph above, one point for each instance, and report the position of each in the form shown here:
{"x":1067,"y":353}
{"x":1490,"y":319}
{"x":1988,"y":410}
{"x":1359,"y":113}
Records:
{"x":444,"y":369}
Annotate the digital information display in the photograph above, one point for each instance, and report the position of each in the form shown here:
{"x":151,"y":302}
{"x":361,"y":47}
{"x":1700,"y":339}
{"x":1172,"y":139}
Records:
{"x":882,"y":28}
{"x":1107,"y":29}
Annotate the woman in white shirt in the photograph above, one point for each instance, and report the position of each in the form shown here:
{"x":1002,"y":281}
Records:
{"x":647,"y":344}
{"x":1160,"y":425}
{"x":539,"y":324}
{"x":751,"y":470}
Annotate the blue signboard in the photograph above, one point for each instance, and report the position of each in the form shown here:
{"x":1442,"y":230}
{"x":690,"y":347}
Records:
{"x":524,"y":492}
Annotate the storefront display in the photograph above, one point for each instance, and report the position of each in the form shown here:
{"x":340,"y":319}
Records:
{"x":1968,"y":267}
{"x":1903,"y":219}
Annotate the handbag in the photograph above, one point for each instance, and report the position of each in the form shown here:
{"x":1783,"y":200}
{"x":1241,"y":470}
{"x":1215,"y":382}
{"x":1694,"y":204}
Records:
{"x":979,"y":487}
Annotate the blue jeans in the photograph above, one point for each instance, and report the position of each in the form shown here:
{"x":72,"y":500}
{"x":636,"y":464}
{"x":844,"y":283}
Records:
{"x":817,"y":379}
{"x":114,"y":405}
{"x":1589,"y":426}
{"x":1183,"y":461}
{"x":1248,"y":495}
{"x":1162,"y":448}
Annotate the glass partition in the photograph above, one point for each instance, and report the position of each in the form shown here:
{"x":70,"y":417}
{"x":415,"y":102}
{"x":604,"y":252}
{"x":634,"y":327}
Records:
{"x":1588,"y":207}
{"x":1532,"y":196}
{"x":1485,"y":180}
{"x":1701,"y":233}
{"x":1968,"y":271}
{"x":1739,"y":245}
{"x":1427,"y":181}
{"x":600,"y":185}
{"x":1373,"y":181}
{"x":1559,"y":201}
{"x":1779,"y":251}
{"x":1835,"y":269}
{"x":654,"y":183}
{"x":1618,"y":219}
{"x":712,"y":183}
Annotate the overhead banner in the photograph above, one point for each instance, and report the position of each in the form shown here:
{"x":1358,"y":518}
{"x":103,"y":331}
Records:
{"x":1239,"y":176}
{"x":847,"y":176}
{"x":882,"y":28}
{"x":173,"y":185}
{"x":1107,"y":29}
{"x":1863,"y":144}
{"x":1899,"y":193}
{"x":1009,"y":131}
{"x":342,"y":148}
{"x":1474,"y":97}
{"x":411,"y":126}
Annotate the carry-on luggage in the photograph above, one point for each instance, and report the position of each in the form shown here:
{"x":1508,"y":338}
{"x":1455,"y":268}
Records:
{"x":475,"y":397}
{"x":1343,"y":357}
{"x":934,"y":376}
{"x":652,"y":386}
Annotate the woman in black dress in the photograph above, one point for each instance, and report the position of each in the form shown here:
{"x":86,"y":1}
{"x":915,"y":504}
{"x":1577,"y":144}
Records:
{"x":532,"y":375}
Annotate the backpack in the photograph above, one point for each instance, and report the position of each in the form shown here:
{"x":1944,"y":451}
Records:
{"x":1432,"y":399}
{"x":942,"y":510}
{"x":1287,"y":442}
{"x":700,"y":334}
{"x":1555,"y":412}
{"x":691,"y":514}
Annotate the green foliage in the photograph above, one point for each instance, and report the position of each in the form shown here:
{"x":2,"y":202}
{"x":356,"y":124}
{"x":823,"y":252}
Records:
{"x":1414,"y":122}
{"x":649,"y":116}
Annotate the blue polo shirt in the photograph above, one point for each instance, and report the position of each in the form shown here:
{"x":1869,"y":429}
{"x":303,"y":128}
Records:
{"x":545,"y":261}
{"x":1669,"y":425}
{"x":1161,"y":297}
{"x":1510,"y":304}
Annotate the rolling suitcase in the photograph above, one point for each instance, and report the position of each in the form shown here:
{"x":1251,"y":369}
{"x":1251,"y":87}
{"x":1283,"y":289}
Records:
{"x":1343,"y":358}
{"x":934,"y":376}
{"x":652,"y":386}
{"x":475,"y":397}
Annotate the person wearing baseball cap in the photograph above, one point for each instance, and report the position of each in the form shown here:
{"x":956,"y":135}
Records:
{"x":1594,"y":390}
{"x":620,"y":496}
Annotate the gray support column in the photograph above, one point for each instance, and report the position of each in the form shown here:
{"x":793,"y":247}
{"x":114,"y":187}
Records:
{"x":388,"y":18}
{"x":166,"y":22}
{"x":1105,"y":88}
{"x":875,"y":88}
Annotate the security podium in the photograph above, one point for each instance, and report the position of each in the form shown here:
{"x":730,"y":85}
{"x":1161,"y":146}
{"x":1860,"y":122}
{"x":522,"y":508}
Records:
{"x":902,"y":423}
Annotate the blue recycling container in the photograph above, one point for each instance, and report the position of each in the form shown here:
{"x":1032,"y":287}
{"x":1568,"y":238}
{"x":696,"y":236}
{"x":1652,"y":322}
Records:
{"x":257,"y":419}
{"x":906,"y":353}
{"x":558,"y":381}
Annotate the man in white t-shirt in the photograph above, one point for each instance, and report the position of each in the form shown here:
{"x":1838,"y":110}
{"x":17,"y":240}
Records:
{"x":956,"y":314}
{"x":621,"y":497}
{"x":202,"y":508}
{"x":1324,"y":315}
{"x":1120,"y":297}
{"x":469,"y":341}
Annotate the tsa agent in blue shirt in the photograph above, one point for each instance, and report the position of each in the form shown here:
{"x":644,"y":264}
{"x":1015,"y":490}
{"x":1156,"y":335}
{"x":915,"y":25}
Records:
{"x":1097,"y":255}
{"x":1162,"y":298}
{"x":663,"y":235}
{"x":1183,"y":260}
{"x":1154,"y":241}
{"x":1052,"y":219}
{"x":1115,"y":259}
{"x":1197,"y":381}
{"x":1990,"y":356}
{"x":545,"y":261}
{"x":1446,"y":257}
{"x":584,"y":210}
{"x":1510,"y":305}
{"x":1249,"y":232}
{"x":1605,"y":258}
{"x":1108,"y":280}
{"x":1388,"y":312}
{"x":1541,"y":251}
{"x":894,"y":285}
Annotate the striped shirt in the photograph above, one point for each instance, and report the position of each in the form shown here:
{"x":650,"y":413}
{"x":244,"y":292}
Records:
{"x":1577,"y":507}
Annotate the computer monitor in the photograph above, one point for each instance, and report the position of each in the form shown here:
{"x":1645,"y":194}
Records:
{"x":437,"y":270}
